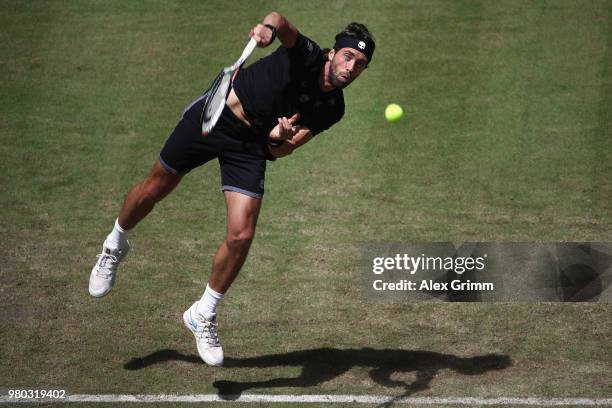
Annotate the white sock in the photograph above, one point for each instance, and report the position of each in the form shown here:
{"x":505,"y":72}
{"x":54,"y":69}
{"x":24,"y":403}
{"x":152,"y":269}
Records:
{"x":207,"y":306}
{"x":117,"y":238}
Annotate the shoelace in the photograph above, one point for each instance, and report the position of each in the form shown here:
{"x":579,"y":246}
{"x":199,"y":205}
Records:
{"x":209,"y":332}
{"x":105,"y":271}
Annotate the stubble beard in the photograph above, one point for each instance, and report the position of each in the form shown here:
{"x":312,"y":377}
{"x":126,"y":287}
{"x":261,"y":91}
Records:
{"x":333,"y":78}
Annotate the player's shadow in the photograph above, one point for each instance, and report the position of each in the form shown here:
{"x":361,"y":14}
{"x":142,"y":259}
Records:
{"x":324,"y":364}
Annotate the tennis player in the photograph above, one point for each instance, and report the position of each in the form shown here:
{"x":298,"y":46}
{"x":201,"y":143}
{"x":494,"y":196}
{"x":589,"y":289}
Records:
{"x":276,"y":105}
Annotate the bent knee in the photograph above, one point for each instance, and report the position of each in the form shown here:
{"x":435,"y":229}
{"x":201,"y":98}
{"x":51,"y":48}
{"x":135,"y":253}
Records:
{"x":240,"y":238}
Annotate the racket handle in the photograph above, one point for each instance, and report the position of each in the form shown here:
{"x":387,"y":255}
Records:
{"x":248,"y":50}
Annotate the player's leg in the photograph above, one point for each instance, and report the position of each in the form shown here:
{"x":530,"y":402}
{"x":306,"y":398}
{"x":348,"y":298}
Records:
{"x":242,"y":214}
{"x":142,"y":197}
{"x":137,"y":205}
{"x":200,"y":318}
{"x":242,"y":177}
{"x":183,"y":151}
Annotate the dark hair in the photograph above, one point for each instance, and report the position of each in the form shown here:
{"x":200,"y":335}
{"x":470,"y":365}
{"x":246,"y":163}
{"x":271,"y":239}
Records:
{"x":357,"y":30}
{"x":356,"y":35}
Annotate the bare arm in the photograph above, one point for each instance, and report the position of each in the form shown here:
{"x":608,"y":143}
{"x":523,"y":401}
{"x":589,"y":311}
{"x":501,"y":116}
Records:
{"x":303,"y":136}
{"x":285,"y":31}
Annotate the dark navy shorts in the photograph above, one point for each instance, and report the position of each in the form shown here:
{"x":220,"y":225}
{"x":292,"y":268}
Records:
{"x":242,"y":155}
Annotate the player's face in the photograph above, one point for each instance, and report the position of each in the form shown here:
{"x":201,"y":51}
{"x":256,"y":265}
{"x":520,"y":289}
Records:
{"x":346,"y":64}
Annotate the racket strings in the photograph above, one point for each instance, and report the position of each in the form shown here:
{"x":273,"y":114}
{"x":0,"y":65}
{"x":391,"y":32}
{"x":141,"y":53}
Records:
{"x":216,"y":101}
{"x":211,"y":93}
{"x":219,"y":90}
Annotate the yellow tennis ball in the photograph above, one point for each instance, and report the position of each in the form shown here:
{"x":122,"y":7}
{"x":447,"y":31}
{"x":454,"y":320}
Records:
{"x":394,"y":112}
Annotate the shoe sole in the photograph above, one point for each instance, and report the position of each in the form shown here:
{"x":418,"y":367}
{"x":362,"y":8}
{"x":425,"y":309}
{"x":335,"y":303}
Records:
{"x":188,"y":326}
{"x":98,"y":295}
{"x":103,"y":293}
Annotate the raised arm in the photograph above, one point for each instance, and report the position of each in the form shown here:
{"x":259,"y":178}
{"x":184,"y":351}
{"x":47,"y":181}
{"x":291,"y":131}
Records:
{"x":285,"y":31}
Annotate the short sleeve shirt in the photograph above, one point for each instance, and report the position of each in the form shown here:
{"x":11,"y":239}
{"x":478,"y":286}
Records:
{"x":286,"y":82}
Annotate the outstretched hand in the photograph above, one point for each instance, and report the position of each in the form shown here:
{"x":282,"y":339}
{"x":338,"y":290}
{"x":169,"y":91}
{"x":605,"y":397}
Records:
{"x":285,"y":130}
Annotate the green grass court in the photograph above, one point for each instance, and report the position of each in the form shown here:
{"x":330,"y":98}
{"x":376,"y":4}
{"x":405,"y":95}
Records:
{"x":506,"y":138}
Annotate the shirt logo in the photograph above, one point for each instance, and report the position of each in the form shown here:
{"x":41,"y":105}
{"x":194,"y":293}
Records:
{"x":309,"y":46}
{"x":361,"y":45}
{"x":304,"y":98}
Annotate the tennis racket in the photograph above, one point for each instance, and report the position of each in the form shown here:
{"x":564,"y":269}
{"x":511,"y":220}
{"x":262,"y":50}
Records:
{"x":219,"y":90}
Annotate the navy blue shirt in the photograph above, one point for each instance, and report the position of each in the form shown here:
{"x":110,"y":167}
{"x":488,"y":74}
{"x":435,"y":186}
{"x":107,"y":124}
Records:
{"x":286,"y":82}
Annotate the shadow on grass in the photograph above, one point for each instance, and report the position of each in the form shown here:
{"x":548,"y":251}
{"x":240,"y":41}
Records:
{"x":324,"y":364}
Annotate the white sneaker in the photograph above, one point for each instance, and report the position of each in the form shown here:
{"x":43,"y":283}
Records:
{"x":205,"y":332}
{"x":104,"y":271}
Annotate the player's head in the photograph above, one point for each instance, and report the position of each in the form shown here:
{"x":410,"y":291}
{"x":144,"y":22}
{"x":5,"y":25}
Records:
{"x":352,"y":52}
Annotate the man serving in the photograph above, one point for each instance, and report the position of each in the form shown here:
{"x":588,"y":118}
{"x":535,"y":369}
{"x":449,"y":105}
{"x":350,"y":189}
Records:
{"x":276,"y":105}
